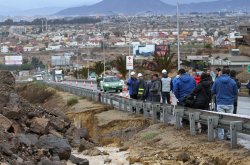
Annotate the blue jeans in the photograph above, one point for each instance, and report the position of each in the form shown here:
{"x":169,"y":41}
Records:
{"x":224,"y":109}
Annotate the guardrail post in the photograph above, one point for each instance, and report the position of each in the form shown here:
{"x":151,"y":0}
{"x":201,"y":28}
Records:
{"x":192,"y":124}
{"x":130,"y":107}
{"x":139,"y":107}
{"x":106,"y":99}
{"x":125,"y":107}
{"x":133,"y":109}
{"x":111,"y":100}
{"x":102,"y":98}
{"x":155,"y":108}
{"x":165,"y":114}
{"x":120,"y":103}
{"x":179,"y":113}
{"x":212,"y":122}
{"x":234,"y":127}
{"x":147,"y":107}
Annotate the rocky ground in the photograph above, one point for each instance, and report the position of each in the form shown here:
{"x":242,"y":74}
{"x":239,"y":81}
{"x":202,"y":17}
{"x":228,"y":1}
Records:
{"x":32,"y":135}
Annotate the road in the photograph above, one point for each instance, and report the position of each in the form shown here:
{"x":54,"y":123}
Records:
{"x":243,"y":102}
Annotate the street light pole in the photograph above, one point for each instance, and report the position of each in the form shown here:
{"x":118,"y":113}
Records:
{"x":178,"y":35}
{"x":104,"y":61}
{"x":129,"y":53}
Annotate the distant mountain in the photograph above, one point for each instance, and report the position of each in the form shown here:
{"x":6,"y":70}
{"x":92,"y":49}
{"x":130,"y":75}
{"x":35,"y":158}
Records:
{"x":185,"y":1}
{"x":120,"y":6}
{"x":107,"y":7}
{"x":39,"y":11}
{"x":219,"y":5}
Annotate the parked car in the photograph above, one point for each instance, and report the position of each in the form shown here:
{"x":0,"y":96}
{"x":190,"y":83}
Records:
{"x":38,"y":78}
{"x":109,"y":84}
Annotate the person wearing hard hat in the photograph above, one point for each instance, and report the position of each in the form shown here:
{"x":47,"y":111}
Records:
{"x":141,"y":87}
{"x":166,"y":87}
{"x":133,"y":86}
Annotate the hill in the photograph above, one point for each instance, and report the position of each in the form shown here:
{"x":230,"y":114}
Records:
{"x":120,"y":6}
{"x":107,"y":7}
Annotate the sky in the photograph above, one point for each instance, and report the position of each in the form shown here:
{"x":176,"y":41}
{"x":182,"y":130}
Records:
{"x":33,"y":4}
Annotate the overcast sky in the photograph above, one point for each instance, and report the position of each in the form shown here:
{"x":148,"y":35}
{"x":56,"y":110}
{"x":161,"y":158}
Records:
{"x":31,"y":4}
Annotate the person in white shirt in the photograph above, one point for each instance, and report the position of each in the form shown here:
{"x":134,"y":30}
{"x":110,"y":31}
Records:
{"x":166,"y":87}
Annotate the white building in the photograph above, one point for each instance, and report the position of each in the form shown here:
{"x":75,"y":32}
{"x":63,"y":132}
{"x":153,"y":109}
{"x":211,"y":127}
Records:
{"x":53,"y":47}
{"x":4,"y":49}
{"x":17,"y":29}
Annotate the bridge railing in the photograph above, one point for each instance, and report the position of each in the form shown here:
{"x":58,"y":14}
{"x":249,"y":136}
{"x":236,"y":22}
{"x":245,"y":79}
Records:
{"x":164,"y":113}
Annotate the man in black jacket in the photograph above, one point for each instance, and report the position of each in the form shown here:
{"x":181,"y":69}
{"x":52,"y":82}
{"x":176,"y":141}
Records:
{"x":233,"y":76}
{"x":202,"y":93}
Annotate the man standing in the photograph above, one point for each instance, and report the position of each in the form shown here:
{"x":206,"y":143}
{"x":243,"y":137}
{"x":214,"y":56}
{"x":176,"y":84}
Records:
{"x":141,"y":87}
{"x":184,"y":86}
{"x":225,"y":90}
{"x":233,"y":76}
{"x":133,"y":86}
{"x":155,"y":90}
{"x":166,"y":87}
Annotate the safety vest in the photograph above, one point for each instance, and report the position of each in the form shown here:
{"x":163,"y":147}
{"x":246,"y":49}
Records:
{"x":140,"y":91}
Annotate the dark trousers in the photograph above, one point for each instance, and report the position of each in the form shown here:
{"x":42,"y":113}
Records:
{"x":165,"y":96}
{"x":235,"y":108}
{"x":156,"y":98}
{"x":133,"y":96}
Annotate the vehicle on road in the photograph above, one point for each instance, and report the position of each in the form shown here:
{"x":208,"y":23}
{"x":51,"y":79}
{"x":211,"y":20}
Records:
{"x":92,"y":78}
{"x":38,"y":78}
{"x":109,"y":84}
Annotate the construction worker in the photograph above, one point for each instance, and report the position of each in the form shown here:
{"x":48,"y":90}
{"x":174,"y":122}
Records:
{"x":141,"y":87}
{"x":166,"y":87}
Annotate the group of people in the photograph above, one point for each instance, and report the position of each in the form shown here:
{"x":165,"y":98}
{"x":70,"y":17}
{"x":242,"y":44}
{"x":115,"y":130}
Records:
{"x":190,"y":89}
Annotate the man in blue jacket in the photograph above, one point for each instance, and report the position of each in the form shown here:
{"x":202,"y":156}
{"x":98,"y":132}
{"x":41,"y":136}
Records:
{"x":133,"y":85}
{"x":225,"y":90}
{"x":185,"y":85}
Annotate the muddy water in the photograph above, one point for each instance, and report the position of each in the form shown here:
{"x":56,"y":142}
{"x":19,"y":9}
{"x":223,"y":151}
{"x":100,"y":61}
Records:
{"x":116,"y":157}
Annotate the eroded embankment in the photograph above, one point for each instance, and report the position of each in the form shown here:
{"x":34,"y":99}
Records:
{"x":107,"y":126}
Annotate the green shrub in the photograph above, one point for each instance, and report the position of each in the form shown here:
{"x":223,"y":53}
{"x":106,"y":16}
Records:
{"x":149,"y":135}
{"x":72,"y":101}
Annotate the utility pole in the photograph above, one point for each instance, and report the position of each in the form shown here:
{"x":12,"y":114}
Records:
{"x":178,"y":35}
{"x":129,"y":53}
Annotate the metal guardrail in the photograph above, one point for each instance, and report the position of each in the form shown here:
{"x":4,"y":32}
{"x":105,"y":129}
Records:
{"x":213,"y":120}
{"x":83,"y":80}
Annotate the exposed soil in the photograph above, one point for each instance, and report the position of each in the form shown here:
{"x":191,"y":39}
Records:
{"x":148,"y":145}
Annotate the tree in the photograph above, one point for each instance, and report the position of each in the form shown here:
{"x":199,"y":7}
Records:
{"x":25,"y":61}
{"x":164,"y":62}
{"x":99,"y":68}
{"x":120,"y":64}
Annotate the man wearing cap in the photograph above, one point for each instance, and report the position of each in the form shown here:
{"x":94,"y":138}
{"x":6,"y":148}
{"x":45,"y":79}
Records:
{"x":141,"y":87}
{"x":166,"y":87}
{"x":133,"y":86}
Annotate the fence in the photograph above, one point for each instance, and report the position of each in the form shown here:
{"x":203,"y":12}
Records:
{"x":234,"y":123}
